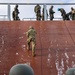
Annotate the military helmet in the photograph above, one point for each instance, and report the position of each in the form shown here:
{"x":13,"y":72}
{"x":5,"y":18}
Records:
{"x":21,"y":69}
{"x":31,"y":27}
{"x":52,"y":7}
{"x":70,"y":71}
{"x":16,"y":5}
{"x":71,"y":8}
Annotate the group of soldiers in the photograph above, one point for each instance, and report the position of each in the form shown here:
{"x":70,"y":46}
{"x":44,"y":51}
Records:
{"x":65,"y":16}
{"x":31,"y":33}
{"x":39,"y":16}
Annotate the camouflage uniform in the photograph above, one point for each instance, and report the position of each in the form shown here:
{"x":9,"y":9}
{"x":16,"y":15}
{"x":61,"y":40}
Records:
{"x":72,"y":13}
{"x":51,"y":13}
{"x":31,"y":34}
{"x":37,"y":10}
{"x":63,"y":13}
{"x":15,"y":13}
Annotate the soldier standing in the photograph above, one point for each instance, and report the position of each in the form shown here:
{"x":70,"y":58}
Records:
{"x":37,"y":10}
{"x":15,"y":13}
{"x":72,"y":13}
{"x":31,"y":34}
{"x":51,"y":13}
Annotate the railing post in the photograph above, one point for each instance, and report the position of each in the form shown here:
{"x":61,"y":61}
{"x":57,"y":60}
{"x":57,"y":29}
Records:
{"x":45,"y":13}
{"x":8,"y":11}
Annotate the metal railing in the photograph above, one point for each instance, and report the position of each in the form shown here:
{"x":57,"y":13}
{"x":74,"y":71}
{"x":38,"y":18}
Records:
{"x":3,"y":17}
{"x":44,"y":5}
{"x":33,"y":19}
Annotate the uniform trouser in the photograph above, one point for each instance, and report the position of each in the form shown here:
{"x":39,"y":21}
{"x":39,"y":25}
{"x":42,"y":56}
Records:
{"x":33,"y":48}
{"x":33,"y":44}
{"x":73,"y":16}
{"x":38,"y":16}
{"x":51,"y":16}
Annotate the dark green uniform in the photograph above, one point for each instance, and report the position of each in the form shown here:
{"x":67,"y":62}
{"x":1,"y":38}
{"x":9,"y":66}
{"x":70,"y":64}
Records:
{"x":15,"y":13}
{"x":51,"y":13}
{"x":31,"y":33}
{"x":72,"y":13}
{"x":63,"y":13}
{"x":65,"y":16}
{"x":37,"y":10}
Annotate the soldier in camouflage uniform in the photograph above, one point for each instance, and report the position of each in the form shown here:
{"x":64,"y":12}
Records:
{"x":37,"y":10}
{"x":63,"y":14}
{"x":15,"y":13}
{"x":72,"y":13}
{"x":51,"y":13}
{"x":31,"y":34}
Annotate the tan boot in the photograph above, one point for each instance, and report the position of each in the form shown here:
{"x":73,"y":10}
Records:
{"x":33,"y":54}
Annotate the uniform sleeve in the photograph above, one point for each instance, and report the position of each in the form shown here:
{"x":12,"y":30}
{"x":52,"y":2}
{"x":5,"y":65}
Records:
{"x":27,"y":33}
{"x":35,"y":32}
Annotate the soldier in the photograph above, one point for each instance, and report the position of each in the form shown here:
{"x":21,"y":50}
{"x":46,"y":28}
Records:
{"x":15,"y":13}
{"x":31,"y":34}
{"x":43,"y":14}
{"x":51,"y":13}
{"x":63,"y":14}
{"x":37,"y":10}
{"x":72,"y":13}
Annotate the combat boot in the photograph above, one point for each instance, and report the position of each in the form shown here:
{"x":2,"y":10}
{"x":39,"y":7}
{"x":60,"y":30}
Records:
{"x":28,"y":47}
{"x":33,"y":54}
{"x":33,"y":50}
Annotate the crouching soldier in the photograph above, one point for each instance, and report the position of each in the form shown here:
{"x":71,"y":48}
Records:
{"x":31,"y":34}
{"x":63,"y":14}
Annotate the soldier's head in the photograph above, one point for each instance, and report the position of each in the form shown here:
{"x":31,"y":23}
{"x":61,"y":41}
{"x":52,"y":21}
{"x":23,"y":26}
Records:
{"x":21,"y":69}
{"x":37,"y":4}
{"x":16,"y":5}
{"x":60,"y":9}
{"x":52,"y":6}
{"x":72,"y":8}
{"x":31,"y":27}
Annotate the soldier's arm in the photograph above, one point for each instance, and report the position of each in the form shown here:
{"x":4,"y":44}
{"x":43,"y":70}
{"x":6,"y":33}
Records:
{"x":27,"y":34}
{"x":35,"y":32}
{"x":35,"y":9}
